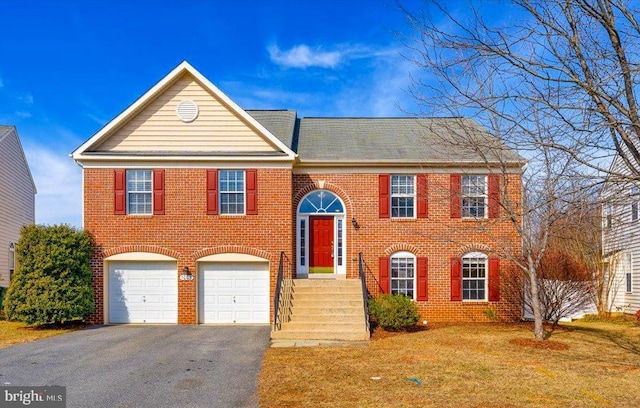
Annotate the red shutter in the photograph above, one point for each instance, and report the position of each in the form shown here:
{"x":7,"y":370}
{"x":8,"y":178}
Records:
{"x":119,"y":192}
{"x":251,"y":178}
{"x":494,"y":195}
{"x":494,"y":279}
{"x":212,"y":192}
{"x":423,"y":279}
{"x":158,"y":192}
{"x":384,"y":274}
{"x":423,"y":196}
{"x":456,"y":279}
{"x":456,"y":185}
{"x":384,"y":199}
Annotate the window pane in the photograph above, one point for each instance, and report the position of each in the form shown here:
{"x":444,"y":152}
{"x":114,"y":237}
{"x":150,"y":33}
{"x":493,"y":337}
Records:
{"x":402,"y":196}
{"x":303,"y":243}
{"x":231,"y":186}
{"x":139,"y":191}
{"x":402,"y":276}
{"x":474,"y":278}
{"x":474,"y":196}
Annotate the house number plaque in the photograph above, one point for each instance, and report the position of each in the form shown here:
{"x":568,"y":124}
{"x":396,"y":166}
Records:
{"x":186,"y":277}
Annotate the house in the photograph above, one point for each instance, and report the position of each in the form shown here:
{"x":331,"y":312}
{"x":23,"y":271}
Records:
{"x":17,"y":198}
{"x":621,"y":240}
{"x":204,"y":212}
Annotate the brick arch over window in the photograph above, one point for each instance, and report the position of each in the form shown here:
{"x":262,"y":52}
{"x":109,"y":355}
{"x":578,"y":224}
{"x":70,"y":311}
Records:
{"x":474,"y":248}
{"x":324,"y":186}
{"x":401,"y":247}
{"x":238,"y":249}
{"x":140,"y":248}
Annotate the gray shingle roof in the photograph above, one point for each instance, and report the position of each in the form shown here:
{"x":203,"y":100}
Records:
{"x":393,"y":140}
{"x":281,"y":123}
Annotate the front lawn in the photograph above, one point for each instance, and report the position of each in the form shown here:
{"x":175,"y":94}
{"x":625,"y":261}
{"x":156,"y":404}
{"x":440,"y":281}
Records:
{"x":586,"y":364}
{"x":15,"y":333}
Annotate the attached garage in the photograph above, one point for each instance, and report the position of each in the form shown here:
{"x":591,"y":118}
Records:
{"x":233,"y":292}
{"x":143,"y":292}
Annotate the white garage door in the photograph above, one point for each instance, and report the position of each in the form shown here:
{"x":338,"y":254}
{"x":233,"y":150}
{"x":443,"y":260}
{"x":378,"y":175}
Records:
{"x":234,"y":293}
{"x":143,"y":292}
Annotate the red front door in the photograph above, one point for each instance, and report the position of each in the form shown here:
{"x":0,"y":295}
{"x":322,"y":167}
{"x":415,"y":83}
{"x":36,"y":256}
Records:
{"x":321,"y":244}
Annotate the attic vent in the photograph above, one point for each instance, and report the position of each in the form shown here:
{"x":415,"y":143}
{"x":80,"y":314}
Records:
{"x":187,"y":111}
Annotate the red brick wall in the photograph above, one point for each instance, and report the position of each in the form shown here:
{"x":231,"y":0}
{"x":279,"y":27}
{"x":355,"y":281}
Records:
{"x":185,"y":231}
{"x":437,"y":237}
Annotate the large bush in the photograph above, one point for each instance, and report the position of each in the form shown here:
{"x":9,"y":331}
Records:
{"x":52,"y":280}
{"x":394,"y":312}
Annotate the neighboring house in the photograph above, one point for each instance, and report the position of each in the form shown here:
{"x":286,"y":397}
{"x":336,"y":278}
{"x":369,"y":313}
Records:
{"x":621,"y":240}
{"x":192,"y":201}
{"x":17,"y":198}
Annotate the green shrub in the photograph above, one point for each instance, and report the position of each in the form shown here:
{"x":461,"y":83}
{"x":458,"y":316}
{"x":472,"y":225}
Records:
{"x":52,"y":280}
{"x":394,"y":312}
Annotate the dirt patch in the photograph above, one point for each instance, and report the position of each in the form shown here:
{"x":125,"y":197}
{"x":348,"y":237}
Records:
{"x":538,"y":344}
{"x":378,"y":333}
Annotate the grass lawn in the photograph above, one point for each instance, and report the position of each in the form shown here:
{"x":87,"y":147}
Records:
{"x":15,"y":333}
{"x":583,"y":364}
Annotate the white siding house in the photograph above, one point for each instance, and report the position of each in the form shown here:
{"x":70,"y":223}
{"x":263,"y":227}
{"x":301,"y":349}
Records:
{"x":621,"y":241}
{"x":17,"y":198}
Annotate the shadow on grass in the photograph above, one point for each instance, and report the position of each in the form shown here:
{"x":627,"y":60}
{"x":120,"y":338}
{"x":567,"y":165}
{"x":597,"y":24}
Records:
{"x":616,"y":337}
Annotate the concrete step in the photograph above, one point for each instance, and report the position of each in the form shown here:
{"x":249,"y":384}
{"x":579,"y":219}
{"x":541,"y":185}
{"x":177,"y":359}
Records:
{"x":328,"y":289}
{"x":323,"y":326}
{"x":336,"y":283}
{"x":325,"y":304}
{"x":328,"y":317}
{"x":332,"y":334}
{"x":327,"y":296}
{"x":315,"y":310}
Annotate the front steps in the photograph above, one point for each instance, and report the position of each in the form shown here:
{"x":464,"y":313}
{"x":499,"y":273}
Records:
{"x":325,"y":310}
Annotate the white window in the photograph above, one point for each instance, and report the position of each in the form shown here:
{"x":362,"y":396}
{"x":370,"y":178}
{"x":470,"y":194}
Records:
{"x":635,"y":196}
{"x":232,"y":191}
{"x":628,"y":274}
{"x":139,"y":191}
{"x":474,"y":276}
{"x":12,"y":258}
{"x":474,"y":196}
{"x":403,"y":274}
{"x":608,"y":215}
{"x":403,"y":196}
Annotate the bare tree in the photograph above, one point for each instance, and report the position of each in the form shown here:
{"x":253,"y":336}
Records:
{"x":555,"y":80}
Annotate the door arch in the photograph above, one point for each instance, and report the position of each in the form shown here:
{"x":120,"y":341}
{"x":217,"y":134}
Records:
{"x":320,"y":235}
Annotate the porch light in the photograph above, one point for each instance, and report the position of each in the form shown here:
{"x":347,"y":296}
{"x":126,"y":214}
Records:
{"x":185,"y":271}
{"x":354,"y":222}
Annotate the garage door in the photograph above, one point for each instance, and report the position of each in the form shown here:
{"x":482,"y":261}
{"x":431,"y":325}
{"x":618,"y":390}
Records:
{"x":234,"y":293}
{"x":143,"y":292}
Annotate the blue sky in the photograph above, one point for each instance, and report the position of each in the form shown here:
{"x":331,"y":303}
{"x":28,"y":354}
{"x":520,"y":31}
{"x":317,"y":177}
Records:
{"x":67,"y":68}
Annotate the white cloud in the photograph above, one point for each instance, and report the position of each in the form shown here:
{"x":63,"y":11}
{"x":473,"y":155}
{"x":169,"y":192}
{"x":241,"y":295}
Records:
{"x":59,"y":183}
{"x":23,"y":114}
{"x":303,"y":56}
{"x":26,"y":98}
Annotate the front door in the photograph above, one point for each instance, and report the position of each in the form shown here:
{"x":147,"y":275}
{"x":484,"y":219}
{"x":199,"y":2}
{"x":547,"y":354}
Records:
{"x":321,"y":244}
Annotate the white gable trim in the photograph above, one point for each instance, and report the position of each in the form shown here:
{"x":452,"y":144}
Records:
{"x":184,"y":66}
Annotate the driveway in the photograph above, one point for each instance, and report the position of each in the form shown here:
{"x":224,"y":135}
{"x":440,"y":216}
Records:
{"x":144,"y":366}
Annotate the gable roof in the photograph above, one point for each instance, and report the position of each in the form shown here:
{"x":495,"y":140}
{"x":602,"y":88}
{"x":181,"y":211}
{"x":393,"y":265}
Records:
{"x":5,"y":132}
{"x":83,"y":152}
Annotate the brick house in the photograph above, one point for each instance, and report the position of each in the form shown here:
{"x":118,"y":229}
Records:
{"x":196,"y":205}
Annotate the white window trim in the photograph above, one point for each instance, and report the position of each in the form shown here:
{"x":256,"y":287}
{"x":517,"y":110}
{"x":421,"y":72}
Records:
{"x":12,"y":259}
{"x":244,"y":193}
{"x":486,"y":275}
{"x":607,"y":219}
{"x":629,"y":273}
{"x":126,"y":188}
{"x":635,"y":202}
{"x":485,"y":196}
{"x":413,"y":196}
{"x":404,"y":254}
{"x":303,"y":270}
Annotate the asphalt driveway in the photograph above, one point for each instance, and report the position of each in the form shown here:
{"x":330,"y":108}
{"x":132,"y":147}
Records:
{"x":144,"y":366}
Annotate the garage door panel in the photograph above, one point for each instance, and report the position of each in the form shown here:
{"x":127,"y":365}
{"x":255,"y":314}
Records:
{"x":143,"y":292}
{"x":234,"y":293}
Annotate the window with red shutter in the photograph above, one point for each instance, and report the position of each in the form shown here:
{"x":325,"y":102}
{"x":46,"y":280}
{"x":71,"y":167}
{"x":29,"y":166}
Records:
{"x":119,"y":192}
{"x":384,"y":198}
{"x":212,"y":192}
{"x":423,"y":279}
{"x":456,"y":279}
{"x":455,"y":187}
{"x":494,"y":279}
{"x":251,"y":176}
{"x":384,"y":274}
{"x":494,"y":195}
{"x":158,"y":192}
{"x":423,"y":196}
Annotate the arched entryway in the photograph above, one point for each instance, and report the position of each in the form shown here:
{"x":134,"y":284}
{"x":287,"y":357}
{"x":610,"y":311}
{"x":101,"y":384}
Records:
{"x":321,"y":235}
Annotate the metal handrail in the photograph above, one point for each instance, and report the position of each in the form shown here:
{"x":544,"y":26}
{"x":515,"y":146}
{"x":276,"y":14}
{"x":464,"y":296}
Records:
{"x":276,"y":299}
{"x":365,"y":296}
